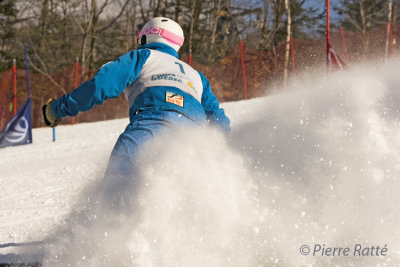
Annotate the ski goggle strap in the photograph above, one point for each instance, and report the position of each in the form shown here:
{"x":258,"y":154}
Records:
{"x":169,"y":36}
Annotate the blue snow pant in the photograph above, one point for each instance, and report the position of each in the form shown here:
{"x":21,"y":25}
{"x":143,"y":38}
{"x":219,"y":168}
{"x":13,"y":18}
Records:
{"x":120,"y":181}
{"x":142,"y":128}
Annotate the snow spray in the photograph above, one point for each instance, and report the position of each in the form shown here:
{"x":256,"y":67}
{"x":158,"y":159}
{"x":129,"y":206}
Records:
{"x":308,"y":176}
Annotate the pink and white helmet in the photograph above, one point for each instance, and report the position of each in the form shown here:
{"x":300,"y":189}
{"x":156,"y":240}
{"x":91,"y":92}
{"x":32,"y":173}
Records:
{"x":161,"y":30}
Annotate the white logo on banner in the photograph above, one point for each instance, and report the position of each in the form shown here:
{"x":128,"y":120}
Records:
{"x":19,"y":132}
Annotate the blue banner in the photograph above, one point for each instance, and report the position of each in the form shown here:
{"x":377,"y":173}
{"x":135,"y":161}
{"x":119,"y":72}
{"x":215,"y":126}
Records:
{"x":18,"y":130}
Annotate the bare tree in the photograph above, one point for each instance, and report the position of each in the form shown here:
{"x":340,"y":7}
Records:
{"x":362,"y":15}
{"x":192,"y":21}
{"x":8,"y":18}
{"x":264,"y":25}
{"x":287,"y":48}
{"x":159,"y":7}
{"x":130,"y":25}
{"x":90,"y":27}
{"x":217,"y":7}
{"x":388,"y":29}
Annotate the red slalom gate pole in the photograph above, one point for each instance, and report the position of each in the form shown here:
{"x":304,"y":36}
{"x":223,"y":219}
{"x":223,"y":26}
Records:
{"x":243,"y":69}
{"x":328,"y":34}
{"x":15,"y":87}
{"x":76,"y":82}
{"x":346,"y":54}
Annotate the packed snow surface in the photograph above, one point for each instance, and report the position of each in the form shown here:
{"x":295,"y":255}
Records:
{"x":316,"y":164}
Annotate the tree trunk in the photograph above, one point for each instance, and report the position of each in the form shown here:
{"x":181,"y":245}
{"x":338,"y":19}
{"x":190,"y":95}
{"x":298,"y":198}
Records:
{"x":127,"y":40}
{"x":364,"y":27}
{"x":287,"y":50}
{"x":264,"y":27}
{"x":142,"y":12}
{"x":387,"y":45}
{"x":278,"y":12}
{"x":44,"y":14}
{"x":192,"y":20}
{"x":88,"y":33}
{"x":134,"y":30}
{"x":157,"y":12}
{"x":178,"y":11}
{"x":213,"y":25}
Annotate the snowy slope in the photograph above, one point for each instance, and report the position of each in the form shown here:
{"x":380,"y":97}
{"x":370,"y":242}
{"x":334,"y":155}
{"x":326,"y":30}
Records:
{"x":316,"y":164}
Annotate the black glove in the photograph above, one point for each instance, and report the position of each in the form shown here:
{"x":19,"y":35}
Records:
{"x":48,"y":116}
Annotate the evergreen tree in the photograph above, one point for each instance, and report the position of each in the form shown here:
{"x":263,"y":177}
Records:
{"x":8,"y":18}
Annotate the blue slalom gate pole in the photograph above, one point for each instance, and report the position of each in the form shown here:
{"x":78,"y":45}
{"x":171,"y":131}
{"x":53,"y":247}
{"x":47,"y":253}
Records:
{"x":54,"y":134}
{"x":28,"y":85}
{"x":27,"y":70}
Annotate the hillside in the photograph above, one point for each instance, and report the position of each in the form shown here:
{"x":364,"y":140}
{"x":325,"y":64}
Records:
{"x":315,"y":164}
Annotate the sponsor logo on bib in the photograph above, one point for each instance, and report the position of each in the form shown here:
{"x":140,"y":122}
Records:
{"x":174,"y":98}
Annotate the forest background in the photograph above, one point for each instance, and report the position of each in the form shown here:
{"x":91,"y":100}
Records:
{"x":59,"y":33}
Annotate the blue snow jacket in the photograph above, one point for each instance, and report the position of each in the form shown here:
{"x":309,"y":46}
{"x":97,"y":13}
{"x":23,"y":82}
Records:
{"x":116,"y":76}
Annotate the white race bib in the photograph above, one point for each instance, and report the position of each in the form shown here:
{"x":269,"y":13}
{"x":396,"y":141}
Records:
{"x":162,"y":69}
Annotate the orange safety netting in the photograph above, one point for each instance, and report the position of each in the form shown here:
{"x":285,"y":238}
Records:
{"x":264,"y":71}
{"x":6,"y":97}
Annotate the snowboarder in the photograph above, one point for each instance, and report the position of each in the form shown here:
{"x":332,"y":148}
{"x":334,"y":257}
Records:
{"x":161,"y":90}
